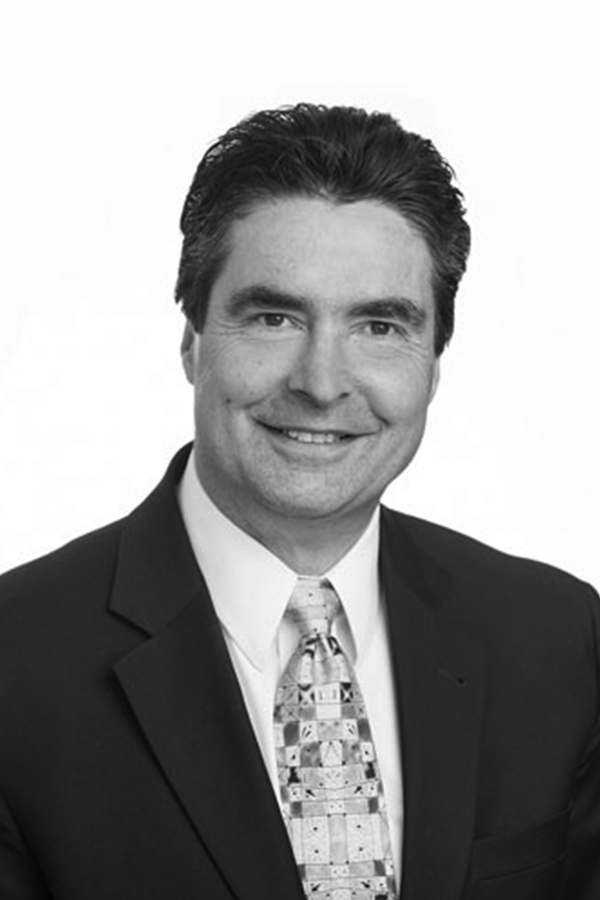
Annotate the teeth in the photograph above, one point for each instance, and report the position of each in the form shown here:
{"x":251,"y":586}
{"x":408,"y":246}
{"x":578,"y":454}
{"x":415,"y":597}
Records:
{"x":312,"y":437}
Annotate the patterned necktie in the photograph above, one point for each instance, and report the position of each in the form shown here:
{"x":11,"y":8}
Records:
{"x":331,"y":790}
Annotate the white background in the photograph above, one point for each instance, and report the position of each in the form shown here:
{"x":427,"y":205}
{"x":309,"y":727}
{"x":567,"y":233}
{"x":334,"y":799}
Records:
{"x":106,"y":108}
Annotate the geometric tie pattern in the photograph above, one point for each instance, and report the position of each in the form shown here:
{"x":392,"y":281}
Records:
{"x":331,"y":790}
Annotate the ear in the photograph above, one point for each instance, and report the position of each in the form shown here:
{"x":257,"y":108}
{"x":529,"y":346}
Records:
{"x":189,"y":351}
{"x":435,"y":379}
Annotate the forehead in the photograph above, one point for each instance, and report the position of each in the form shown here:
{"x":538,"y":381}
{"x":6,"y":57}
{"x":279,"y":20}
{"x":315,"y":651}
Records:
{"x":323,"y":249}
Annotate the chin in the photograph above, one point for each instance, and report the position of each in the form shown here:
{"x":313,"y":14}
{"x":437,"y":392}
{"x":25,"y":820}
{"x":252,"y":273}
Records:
{"x":312,"y":504}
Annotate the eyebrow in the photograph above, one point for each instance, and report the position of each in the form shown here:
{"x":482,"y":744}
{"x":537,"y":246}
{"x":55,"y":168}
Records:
{"x":263,"y":297}
{"x":400,"y":309}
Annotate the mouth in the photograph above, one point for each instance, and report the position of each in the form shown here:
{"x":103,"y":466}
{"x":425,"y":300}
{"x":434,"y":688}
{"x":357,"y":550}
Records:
{"x":311,"y":436}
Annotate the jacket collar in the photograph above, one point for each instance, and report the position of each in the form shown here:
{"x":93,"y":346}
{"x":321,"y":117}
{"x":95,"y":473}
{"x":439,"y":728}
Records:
{"x":157,"y":574}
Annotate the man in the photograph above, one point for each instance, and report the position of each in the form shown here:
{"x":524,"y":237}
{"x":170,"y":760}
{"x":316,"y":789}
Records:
{"x":420,"y":719}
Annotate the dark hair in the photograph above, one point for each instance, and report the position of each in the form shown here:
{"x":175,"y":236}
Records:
{"x":341,"y":153}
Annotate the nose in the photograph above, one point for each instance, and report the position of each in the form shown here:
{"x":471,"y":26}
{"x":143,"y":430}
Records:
{"x":320,"y":371}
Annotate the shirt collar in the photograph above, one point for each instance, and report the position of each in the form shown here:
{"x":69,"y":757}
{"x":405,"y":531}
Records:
{"x":250,"y":586}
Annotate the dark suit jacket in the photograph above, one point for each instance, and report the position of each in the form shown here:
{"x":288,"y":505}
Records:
{"x":128,"y":765}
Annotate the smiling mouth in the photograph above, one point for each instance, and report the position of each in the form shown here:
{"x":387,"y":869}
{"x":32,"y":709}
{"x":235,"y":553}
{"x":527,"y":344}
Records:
{"x":314,"y":437}
{"x":304,"y":436}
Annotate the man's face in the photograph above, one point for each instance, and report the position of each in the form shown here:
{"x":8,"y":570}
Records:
{"x":316,"y":364}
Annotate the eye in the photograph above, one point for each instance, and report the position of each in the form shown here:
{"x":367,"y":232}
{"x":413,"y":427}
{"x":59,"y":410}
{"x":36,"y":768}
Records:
{"x":273,"y":320}
{"x":382,"y":329}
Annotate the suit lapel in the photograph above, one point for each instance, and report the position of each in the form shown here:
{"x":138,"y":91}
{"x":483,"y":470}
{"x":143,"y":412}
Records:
{"x":185,"y":696}
{"x":439,"y":685}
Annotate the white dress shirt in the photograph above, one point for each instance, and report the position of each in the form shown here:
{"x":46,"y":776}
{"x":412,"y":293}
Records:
{"x":250,"y":588}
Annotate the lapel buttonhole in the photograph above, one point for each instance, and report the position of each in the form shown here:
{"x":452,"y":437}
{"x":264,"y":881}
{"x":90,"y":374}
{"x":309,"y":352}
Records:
{"x":460,"y":680}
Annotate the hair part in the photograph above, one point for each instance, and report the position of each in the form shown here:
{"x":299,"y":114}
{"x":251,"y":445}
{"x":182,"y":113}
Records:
{"x":341,"y":153}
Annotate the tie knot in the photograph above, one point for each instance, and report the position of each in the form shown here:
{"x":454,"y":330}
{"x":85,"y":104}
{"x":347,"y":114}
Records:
{"x":313,"y":606}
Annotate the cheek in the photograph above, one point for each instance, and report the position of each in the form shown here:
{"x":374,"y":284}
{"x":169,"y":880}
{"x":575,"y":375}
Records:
{"x":400,"y":395}
{"x":236,"y":380}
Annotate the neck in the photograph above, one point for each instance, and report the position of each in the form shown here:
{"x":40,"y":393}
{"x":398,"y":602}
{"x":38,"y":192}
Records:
{"x":309,"y":547}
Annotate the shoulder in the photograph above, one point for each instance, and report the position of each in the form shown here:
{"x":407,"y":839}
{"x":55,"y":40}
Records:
{"x":85,"y":567}
{"x":486,"y":582}
{"x":78,"y":560}
{"x":52,"y":596}
{"x":456,"y":551}
{"x":63,"y":600}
